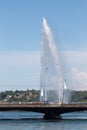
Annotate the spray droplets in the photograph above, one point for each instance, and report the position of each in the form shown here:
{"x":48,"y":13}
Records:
{"x":51,"y":84}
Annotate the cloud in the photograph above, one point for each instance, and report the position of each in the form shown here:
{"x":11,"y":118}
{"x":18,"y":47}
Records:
{"x":23,"y":68}
{"x":79,"y":79}
{"x":75,"y":56}
{"x":19,"y":69}
{"x":15,"y":59}
{"x":74,"y":66}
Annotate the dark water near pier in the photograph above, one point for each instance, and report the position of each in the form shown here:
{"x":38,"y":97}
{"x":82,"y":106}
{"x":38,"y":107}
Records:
{"x":34,"y":121}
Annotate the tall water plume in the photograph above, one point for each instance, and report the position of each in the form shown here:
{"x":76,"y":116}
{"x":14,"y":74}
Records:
{"x":51,"y":82}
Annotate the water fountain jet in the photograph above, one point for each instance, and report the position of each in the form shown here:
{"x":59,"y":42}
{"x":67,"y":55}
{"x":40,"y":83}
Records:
{"x":51,"y":83}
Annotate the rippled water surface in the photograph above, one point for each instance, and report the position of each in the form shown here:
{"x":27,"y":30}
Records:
{"x":34,"y":121}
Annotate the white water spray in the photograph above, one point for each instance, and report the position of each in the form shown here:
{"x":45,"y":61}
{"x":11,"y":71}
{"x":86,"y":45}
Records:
{"x":51,"y":82}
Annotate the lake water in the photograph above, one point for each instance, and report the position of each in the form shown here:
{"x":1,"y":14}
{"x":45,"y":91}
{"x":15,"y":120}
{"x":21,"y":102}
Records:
{"x":34,"y":121}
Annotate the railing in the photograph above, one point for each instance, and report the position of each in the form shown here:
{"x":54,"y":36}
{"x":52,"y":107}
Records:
{"x":38,"y":104}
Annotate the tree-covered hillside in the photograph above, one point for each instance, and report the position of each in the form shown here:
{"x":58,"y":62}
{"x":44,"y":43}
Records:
{"x":20,"y":96}
{"x":34,"y":96}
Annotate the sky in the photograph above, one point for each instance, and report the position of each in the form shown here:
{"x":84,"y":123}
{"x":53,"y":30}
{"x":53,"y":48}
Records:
{"x":20,"y":40}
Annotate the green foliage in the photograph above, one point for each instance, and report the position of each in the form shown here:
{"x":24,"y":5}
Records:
{"x":33,"y":96}
{"x":20,"y":96}
{"x":79,"y":96}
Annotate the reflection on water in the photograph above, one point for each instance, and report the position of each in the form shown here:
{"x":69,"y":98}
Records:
{"x":19,"y":115}
{"x":34,"y":121}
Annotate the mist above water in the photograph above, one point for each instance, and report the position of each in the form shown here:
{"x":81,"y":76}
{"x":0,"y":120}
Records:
{"x":51,"y":82}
